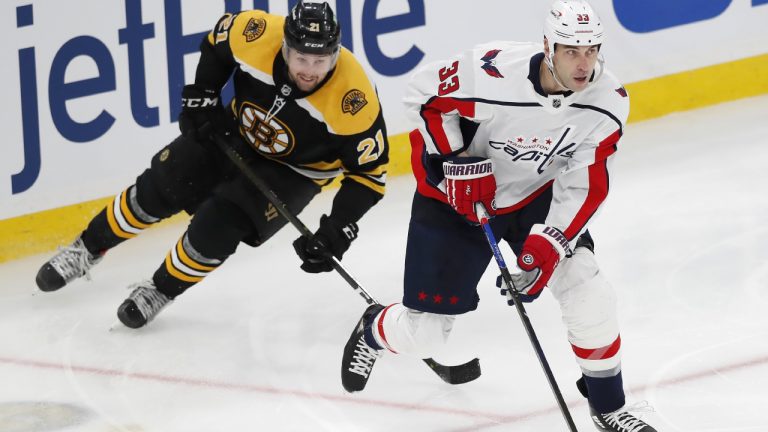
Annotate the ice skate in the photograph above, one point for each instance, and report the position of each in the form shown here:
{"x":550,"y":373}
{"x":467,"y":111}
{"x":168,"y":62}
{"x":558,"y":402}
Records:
{"x":358,"y":359}
{"x":144,"y":303}
{"x":69,"y":263}
{"x":621,"y":420}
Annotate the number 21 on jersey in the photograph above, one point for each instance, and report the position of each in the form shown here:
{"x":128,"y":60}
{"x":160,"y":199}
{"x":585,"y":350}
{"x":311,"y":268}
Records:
{"x":370,"y":149}
{"x":222,"y":30}
{"x":449,"y":81}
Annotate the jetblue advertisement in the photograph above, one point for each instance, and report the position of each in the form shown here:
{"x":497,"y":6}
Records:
{"x":93,"y":86}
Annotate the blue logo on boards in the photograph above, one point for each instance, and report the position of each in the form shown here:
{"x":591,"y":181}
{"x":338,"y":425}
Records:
{"x":635,"y":15}
{"x":652,"y":15}
{"x":131,"y":38}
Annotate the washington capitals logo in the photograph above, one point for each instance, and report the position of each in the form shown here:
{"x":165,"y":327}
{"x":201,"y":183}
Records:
{"x":489,"y":63}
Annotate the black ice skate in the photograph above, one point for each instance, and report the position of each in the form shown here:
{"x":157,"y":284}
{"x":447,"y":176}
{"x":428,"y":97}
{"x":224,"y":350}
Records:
{"x":144,"y":303}
{"x":621,"y":420}
{"x":69,"y":263}
{"x":358,"y":359}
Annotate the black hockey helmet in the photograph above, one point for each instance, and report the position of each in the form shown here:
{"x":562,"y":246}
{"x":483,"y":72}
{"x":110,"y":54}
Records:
{"x":312,"y":28}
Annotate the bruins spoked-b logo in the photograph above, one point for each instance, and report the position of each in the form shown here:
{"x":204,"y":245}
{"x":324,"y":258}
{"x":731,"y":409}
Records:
{"x":272,"y":139}
{"x":254,"y":29}
{"x":353,"y":102}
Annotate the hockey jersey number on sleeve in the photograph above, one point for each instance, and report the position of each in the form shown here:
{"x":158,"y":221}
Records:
{"x":449,"y":81}
{"x":222,"y":29}
{"x":370,"y":149}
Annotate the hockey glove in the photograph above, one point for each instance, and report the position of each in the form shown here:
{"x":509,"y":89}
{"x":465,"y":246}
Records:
{"x":542,"y":251}
{"x":467,"y":181}
{"x":331,"y":239}
{"x":520,"y":282}
{"x":201,"y":113}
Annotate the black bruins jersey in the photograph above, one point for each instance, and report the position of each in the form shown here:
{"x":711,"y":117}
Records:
{"x":336,"y":129}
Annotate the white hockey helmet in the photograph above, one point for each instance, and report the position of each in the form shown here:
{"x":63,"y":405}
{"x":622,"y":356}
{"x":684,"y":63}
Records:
{"x":572,"y":22}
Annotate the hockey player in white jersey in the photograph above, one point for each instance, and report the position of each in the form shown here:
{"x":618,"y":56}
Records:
{"x":529,"y":131}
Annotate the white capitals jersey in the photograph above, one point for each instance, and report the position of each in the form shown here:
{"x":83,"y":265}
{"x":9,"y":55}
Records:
{"x":488,"y":102}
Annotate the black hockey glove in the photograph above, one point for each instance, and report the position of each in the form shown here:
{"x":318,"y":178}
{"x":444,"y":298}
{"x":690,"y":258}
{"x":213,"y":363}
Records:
{"x":331,"y":239}
{"x":201,"y":113}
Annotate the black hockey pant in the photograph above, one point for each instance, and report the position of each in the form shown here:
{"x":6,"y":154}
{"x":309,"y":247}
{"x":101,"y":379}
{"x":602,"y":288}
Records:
{"x":226,"y":209}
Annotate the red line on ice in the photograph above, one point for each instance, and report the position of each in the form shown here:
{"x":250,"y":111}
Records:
{"x":490,"y":419}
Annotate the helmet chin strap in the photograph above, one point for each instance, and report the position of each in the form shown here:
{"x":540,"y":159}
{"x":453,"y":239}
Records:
{"x":551,"y":66}
{"x":599,"y":69}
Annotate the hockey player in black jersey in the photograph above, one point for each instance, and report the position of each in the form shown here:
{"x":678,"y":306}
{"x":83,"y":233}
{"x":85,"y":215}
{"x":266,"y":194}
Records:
{"x":304,"y":113}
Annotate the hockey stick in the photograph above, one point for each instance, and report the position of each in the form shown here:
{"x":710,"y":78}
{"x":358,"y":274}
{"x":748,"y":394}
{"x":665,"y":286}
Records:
{"x":458,"y":374}
{"x":512,"y":295}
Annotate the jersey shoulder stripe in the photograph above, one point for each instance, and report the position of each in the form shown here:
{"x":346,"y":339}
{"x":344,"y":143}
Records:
{"x":347,"y":101}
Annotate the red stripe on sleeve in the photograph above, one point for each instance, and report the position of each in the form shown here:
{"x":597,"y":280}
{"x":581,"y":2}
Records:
{"x":419,"y":171}
{"x":598,"y":185}
{"x":607,"y":146}
{"x":432,"y":113}
{"x":601,"y":353}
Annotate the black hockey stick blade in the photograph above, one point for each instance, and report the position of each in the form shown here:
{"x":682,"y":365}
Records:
{"x":458,"y":374}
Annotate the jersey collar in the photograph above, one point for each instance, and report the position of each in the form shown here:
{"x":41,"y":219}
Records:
{"x":534,"y":76}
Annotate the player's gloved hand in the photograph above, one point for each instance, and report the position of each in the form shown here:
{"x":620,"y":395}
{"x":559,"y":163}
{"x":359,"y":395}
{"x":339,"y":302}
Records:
{"x":201,"y":113}
{"x":542,"y":251}
{"x":467,"y":181}
{"x":331,"y":239}
{"x":520,"y":282}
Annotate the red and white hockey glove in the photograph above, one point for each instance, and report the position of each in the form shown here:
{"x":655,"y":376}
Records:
{"x":542,"y":251}
{"x":467,"y":181}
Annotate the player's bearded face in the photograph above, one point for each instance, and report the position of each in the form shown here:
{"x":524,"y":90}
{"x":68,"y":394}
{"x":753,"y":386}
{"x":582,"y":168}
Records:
{"x":574,"y":65}
{"x":308,"y":70}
